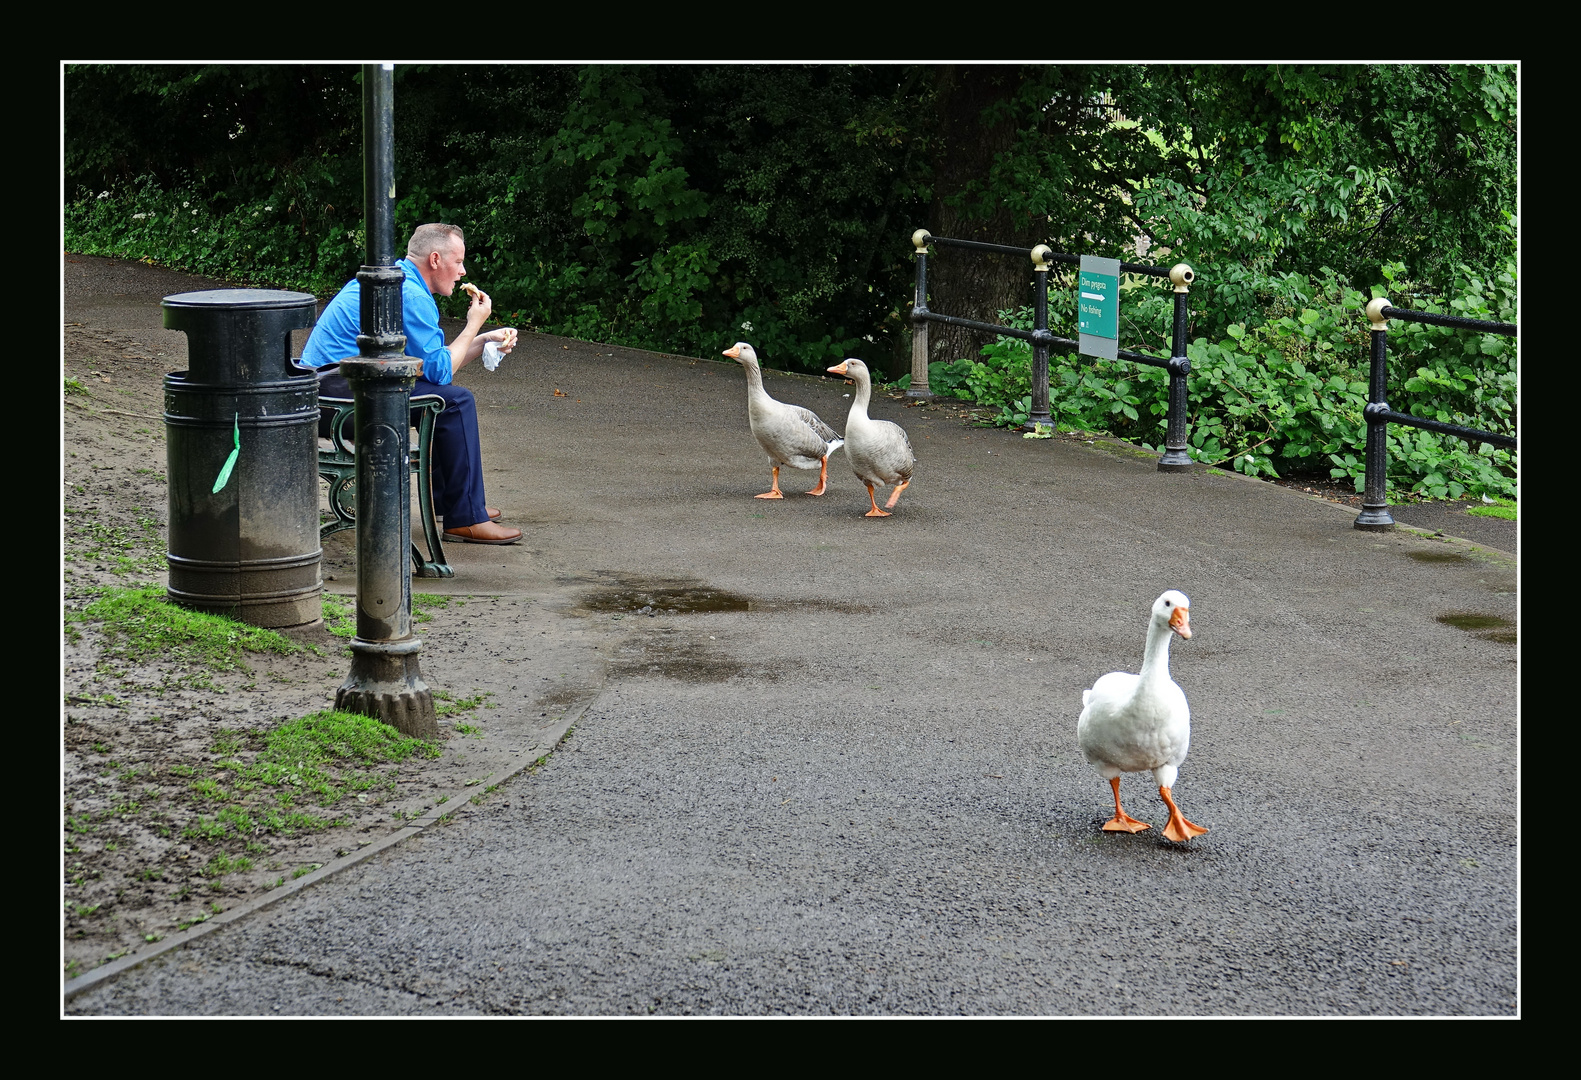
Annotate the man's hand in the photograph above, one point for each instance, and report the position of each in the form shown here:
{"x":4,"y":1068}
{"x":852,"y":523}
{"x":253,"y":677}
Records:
{"x":480,"y":309}
{"x":505,"y":338}
{"x":468,"y":345}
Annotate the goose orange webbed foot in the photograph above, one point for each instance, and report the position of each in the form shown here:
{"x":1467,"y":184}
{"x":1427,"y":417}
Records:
{"x":1179,"y":829}
{"x":875,"y":512}
{"x":774,"y":492}
{"x":823,"y":479}
{"x":1125,"y":823}
{"x":1122,"y":822}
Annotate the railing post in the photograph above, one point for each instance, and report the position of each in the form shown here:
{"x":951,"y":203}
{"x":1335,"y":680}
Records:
{"x":919,"y":320}
{"x":385,"y":680}
{"x":1176,"y":457}
{"x":1041,"y":339}
{"x":1375,"y":516}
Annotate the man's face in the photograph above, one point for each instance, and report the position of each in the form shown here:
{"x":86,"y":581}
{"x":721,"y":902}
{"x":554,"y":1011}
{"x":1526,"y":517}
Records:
{"x":447,"y":267}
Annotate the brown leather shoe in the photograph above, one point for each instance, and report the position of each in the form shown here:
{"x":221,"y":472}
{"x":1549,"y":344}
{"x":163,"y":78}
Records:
{"x":484,"y":532}
{"x":494,"y":513}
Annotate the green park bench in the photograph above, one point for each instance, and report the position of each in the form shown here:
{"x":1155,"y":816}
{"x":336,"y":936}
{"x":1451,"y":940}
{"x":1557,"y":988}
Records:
{"x":337,"y":464}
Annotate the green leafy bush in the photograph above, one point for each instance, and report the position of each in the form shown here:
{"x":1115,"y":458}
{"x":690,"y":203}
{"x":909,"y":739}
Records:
{"x":1287,"y":394}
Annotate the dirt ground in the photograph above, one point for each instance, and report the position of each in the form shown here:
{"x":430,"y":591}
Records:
{"x":152,"y":752}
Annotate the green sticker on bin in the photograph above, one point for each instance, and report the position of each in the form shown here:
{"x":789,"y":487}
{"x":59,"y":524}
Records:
{"x":1098,"y":307}
{"x":236,"y":451}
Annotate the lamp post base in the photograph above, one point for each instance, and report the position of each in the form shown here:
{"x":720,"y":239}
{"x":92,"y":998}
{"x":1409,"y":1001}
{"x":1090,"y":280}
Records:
{"x":386,"y":683}
{"x":1374,"y":519}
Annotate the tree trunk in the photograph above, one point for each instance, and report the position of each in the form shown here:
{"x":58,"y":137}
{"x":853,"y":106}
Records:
{"x":973,"y":285}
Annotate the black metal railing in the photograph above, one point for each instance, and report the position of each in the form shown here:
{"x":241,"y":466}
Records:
{"x":1176,"y":458}
{"x":1375,"y":514}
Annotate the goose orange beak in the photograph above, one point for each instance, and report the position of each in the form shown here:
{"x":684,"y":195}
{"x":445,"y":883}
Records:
{"x":838,"y":369}
{"x":734,"y":352}
{"x":1180,"y":622}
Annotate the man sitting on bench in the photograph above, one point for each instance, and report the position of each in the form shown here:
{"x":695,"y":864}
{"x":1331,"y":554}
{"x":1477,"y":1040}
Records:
{"x":434,"y":263}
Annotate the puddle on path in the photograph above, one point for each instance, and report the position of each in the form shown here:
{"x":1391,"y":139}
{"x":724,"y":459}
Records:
{"x":663,"y":598}
{"x":654,"y":597}
{"x":671,"y":649}
{"x":1493,"y":627}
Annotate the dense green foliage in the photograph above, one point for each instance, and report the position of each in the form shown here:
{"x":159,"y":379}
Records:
{"x":1287,"y":395}
{"x":682,"y":208}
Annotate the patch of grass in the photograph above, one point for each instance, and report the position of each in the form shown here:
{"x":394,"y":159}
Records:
{"x":445,"y":705}
{"x":207,"y":789}
{"x":305,"y":870}
{"x":1500,"y":508}
{"x":141,"y":626}
{"x":339,"y":618}
{"x":130,"y":549}
{"x":424,"y":604}
{"x":322,"y":755}
{"x":221,"y":864}
{"x":332,"y":735}
{"x":73,"y":387}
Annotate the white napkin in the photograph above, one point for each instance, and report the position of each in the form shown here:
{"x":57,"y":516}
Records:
{"x":491,"y":350}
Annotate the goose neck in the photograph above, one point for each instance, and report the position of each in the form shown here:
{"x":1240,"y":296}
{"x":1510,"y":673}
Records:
{"x":1155,"y":659}
{"x":754,"y":379}
{"x":859,"y":399}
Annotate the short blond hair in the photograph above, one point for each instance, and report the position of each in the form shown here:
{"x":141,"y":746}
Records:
{"x":427,"y":239}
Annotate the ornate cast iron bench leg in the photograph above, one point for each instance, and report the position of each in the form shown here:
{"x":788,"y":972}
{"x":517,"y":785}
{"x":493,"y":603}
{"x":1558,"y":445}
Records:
{"x":430,"y":407}
{"x":337,"y":464}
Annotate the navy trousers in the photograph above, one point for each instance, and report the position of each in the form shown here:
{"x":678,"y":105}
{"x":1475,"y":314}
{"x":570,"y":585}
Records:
{"x":457,"y":458}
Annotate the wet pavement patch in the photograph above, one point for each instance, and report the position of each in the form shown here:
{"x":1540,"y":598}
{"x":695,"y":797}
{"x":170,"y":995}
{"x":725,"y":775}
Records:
{"x":655,"y":597}
{"x":637,"y":597}
{"x":1494,"y":627}
{"x":1436,"y":556}
{"x":673,"y":656}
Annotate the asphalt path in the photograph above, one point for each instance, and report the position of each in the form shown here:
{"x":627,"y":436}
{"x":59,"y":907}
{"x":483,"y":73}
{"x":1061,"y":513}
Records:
{"x":831,"y":767}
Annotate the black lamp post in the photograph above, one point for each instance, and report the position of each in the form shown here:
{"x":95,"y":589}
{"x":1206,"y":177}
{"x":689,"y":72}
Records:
{"x":385,"y":680}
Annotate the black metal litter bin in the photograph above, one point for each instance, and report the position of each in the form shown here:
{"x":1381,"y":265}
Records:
{"x":241,"y":438}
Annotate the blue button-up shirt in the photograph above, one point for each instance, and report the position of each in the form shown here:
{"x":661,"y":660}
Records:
{"x":335,"y":337}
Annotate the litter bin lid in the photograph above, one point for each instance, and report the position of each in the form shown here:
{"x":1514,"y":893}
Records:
{"x":240,"y":298}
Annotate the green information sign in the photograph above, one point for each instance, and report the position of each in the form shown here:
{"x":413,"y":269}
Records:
{"x":1098,"y":305}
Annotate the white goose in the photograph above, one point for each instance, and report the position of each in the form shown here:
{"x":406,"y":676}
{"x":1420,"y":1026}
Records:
{"x":879,"y":452}
{"x":1133,"y":723}
{"x":789,"y":434}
